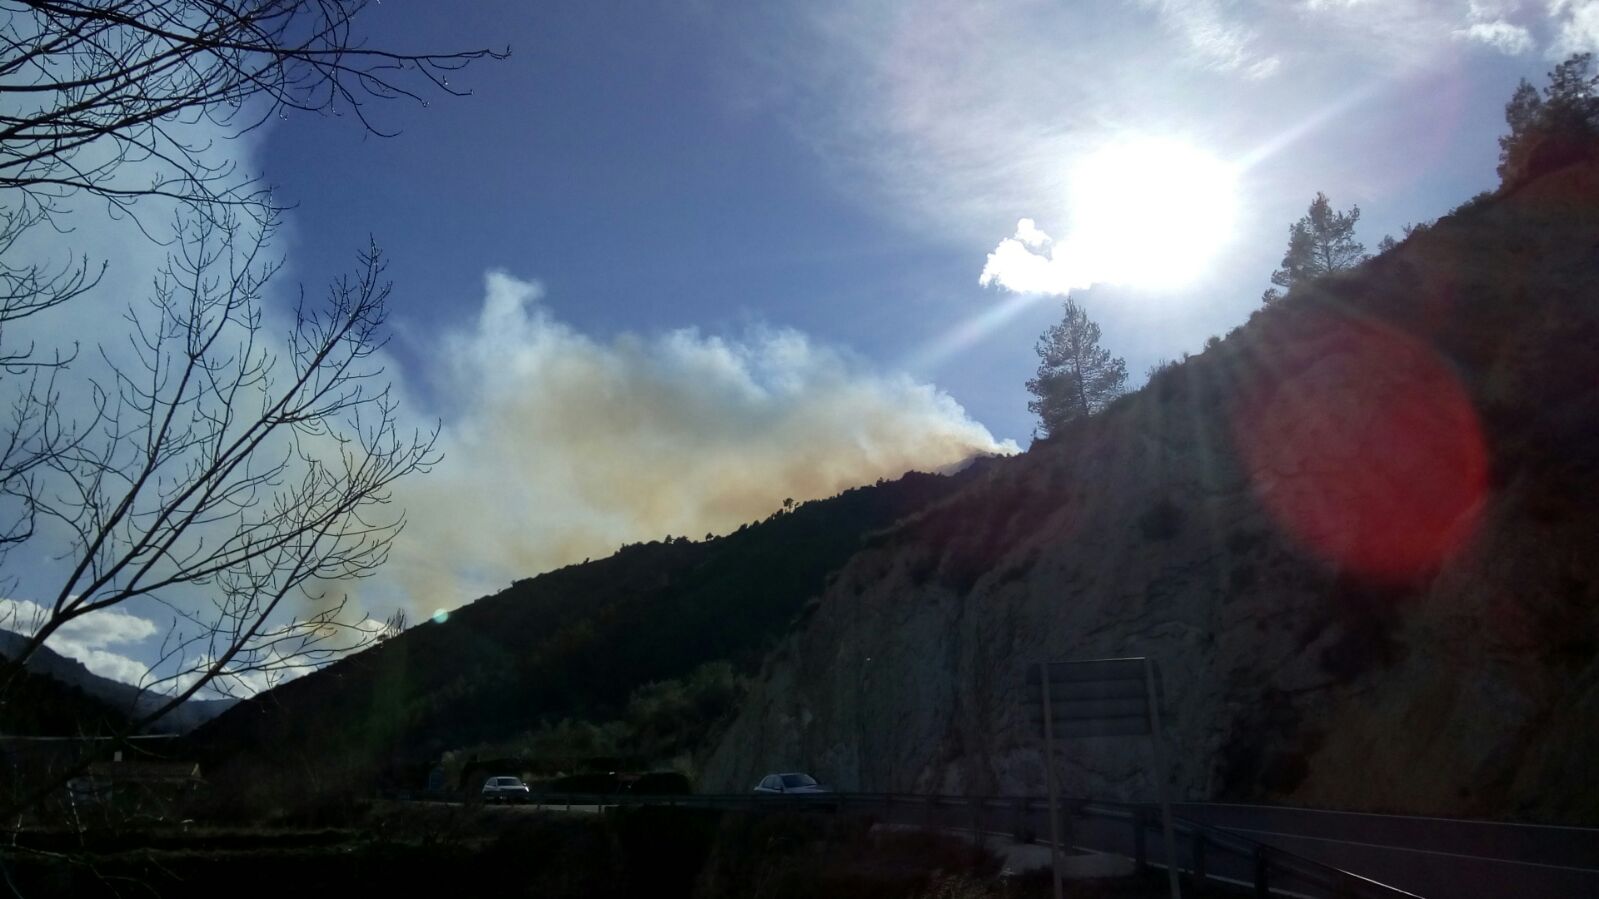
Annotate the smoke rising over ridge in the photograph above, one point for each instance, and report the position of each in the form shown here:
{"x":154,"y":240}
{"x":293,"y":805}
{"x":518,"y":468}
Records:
{"x":561,"y":447}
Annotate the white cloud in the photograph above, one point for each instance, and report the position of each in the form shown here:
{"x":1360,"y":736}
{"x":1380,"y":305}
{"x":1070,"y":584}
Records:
{"x":1579,"y":27}
{"x":1214,"y":38}
{"x":1500,"y":35}
{"x":266,"y":670}
{"x":1028,"y":233}
{"x":1027,"y":263}
{"x":563,"y":446}
{"x":87,"y":637}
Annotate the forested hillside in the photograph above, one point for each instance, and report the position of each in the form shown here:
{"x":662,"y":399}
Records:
{"x":571,"y":644}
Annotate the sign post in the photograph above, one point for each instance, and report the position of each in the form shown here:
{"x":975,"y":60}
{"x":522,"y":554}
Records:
{"x":1100,"y":698}
{"x":1049,"y":775}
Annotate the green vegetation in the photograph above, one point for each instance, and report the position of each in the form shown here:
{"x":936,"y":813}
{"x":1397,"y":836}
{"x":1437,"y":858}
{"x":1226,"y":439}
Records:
{"x":663,"y":724}
{"x":1321,"y":243}
{"x":1558,"y":128}
{"x":1076,"y":376}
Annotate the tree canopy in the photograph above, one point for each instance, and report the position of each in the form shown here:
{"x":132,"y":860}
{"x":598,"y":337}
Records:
{"x":1551,"y":130}
{"x":1320,"y":243}
{"x":1076,"y":376}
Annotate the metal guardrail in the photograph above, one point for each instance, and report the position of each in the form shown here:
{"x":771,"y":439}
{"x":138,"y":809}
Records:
{"x":1204,"y":853}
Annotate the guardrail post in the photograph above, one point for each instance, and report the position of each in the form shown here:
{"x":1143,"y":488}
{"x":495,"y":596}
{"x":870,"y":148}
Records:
{"x":1140,"y":854}
{"x":927,"y":811}
{"x":1019,"y":829}
{"x":1198,"y":836}
{"x":1262,"y":873}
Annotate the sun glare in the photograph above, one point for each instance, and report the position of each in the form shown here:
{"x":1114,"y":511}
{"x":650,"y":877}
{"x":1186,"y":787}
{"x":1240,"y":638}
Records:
{"x":1151,"y":212}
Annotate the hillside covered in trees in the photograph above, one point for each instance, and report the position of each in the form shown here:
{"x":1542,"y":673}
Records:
{"x":571,"y":649}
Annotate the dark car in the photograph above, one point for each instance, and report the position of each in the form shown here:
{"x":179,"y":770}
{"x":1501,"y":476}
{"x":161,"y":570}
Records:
{"x":790,"y":784}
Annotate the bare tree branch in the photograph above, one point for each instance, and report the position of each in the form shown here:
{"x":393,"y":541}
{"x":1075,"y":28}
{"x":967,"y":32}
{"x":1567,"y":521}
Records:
{"x":88,"y":86}
{"x":239,"y":479}
{"x":229,"y":484}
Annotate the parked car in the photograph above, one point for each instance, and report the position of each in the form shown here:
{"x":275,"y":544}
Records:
{"x":790,"y":785}
{"x":505,"y":789}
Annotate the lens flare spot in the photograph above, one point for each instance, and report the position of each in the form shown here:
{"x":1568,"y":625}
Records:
{"x":440,"y":616}
{"x":1362,"y":445}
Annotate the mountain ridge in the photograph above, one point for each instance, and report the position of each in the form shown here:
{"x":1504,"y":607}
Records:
{"x":125,"y":699}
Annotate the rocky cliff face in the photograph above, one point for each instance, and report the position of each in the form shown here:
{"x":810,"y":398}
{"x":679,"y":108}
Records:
{"x":1357,"y":536}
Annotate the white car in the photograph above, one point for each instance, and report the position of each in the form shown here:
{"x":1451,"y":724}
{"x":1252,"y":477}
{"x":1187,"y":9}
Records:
{"x":505,"y":789}
{"x":790,"y":784}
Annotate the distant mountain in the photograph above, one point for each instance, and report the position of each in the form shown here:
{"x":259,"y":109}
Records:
{"x":125,"y":700}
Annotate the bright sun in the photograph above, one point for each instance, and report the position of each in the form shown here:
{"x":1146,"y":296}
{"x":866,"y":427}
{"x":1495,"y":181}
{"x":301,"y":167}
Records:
{"x":1151,"y":212}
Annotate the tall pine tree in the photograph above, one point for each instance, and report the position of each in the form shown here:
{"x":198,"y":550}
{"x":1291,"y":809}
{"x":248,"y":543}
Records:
{"x":1076,"y":376}
{"x":1556,"y":129}
{"x":1320,"y":243}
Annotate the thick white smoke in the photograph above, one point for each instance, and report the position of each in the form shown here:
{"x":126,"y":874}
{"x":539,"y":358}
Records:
{"x":561,"y":447}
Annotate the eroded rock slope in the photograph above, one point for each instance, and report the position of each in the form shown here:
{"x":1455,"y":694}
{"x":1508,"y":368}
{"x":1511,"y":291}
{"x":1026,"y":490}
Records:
{"x":1359,"y":536}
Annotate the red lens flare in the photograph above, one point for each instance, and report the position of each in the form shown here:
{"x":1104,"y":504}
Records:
{"x":1362,"y":445}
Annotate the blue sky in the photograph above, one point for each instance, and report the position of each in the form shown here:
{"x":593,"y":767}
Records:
{"x":672,"y":263}
{"x":659,"y":166}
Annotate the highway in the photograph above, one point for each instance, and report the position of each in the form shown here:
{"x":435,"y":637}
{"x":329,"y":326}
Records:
{"x":1292,"y":852}
{"x":1431,"y":857}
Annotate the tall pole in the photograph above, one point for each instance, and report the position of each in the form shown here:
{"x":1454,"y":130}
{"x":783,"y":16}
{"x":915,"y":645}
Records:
{"x":1160,"y":777}
{"x":1049,"y":773}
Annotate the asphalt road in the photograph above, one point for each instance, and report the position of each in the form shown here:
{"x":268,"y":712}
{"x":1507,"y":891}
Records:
{"x":1438,"y":858}
{"x":1435,"y":858}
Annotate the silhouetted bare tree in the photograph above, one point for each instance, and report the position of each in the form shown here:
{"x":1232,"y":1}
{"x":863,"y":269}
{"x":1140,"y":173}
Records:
{"x":227,"y":473}
{"x":87,"y":86}
{"x":221,"y":469}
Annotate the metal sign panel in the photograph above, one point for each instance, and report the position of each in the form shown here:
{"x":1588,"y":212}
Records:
{"x":1098,"y":698}
{"x":1091,"y":670}
{"x":1094,"y":698}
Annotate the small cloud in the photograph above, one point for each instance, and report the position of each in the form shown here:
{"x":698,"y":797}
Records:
{"x":1507,"y":38}
{"x":1264,"y":68}
{"x":1026,"y":263}
{"x":1027,"y":232}
{"x":1217,"y":37}
{"x":241,"y":681}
